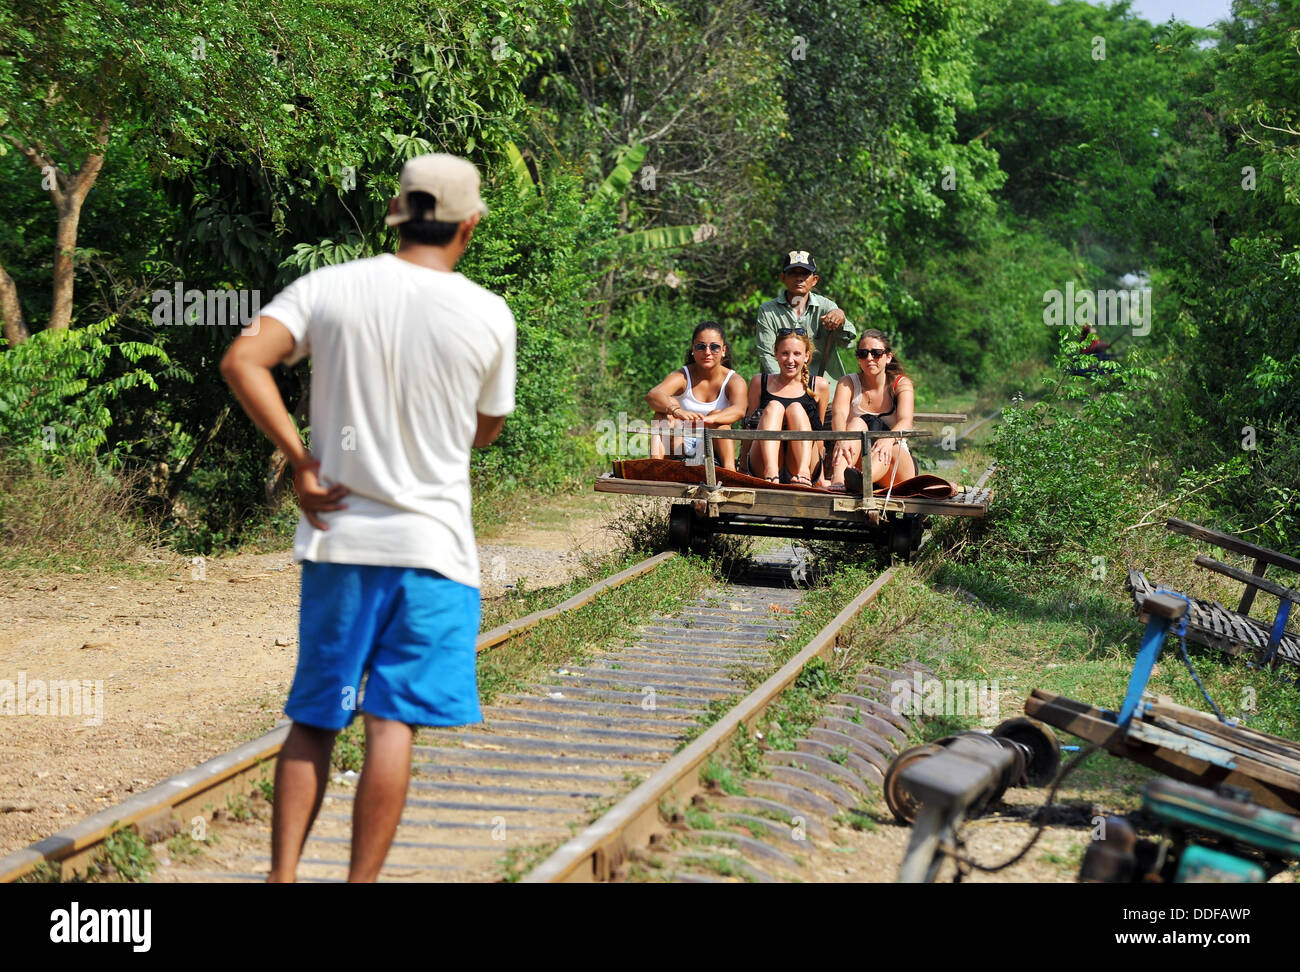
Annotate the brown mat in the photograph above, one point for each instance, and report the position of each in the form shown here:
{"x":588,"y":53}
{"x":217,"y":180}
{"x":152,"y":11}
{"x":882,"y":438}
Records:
{"x":675,"y":471}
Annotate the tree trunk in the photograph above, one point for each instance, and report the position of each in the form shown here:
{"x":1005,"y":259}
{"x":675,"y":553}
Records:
{"x":200,"y":446}
{"x":15,"y":328}
{"x":65,"y":242}
{"x":68,"y":194}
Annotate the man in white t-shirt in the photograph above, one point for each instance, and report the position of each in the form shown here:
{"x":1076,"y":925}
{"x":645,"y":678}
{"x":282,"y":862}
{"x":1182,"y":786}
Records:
{"x":412,"y":365}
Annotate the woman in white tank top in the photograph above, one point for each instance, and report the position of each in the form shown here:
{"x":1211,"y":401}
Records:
{"x":879,"y":397}
{"x":704,"y":393}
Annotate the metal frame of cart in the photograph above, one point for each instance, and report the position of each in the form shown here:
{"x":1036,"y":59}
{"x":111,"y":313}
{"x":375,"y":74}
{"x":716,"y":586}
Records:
{"x":703,"y":509}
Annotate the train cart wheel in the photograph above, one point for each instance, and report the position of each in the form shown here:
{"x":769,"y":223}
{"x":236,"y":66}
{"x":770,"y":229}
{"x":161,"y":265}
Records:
{"x":917,"y":523}
{"x":681,"y":519}
{"x":1044,"y":752}
{"x":899,"y":801}
{"x":701,"y":532}
{"x":900,"y":539}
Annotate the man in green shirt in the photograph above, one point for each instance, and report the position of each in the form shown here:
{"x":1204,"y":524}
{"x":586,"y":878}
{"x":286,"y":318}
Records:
{"x":799,"y":307}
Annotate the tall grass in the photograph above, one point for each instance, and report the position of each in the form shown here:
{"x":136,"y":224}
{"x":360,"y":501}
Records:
{"x":74,"y":515}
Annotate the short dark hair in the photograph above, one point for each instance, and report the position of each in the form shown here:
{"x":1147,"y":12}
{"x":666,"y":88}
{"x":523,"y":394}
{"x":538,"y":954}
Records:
{"x":426,"y":232}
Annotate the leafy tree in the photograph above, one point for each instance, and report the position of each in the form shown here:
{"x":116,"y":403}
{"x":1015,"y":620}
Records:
{"x":1077,"y":102}
{"x":56,"y":389}
{"x":698,"y":85}
{"x":273,"y":86}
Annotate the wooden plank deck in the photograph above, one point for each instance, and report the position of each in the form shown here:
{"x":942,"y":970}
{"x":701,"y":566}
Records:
{"x":798,"y":503}
{"x":1216,"y":626}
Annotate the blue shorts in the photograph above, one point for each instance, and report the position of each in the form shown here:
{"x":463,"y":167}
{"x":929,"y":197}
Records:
{"x":410,"y":631}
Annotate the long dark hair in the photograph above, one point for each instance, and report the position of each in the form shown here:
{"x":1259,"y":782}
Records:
{"x":895,"y":367}
{"x":700,"y":328}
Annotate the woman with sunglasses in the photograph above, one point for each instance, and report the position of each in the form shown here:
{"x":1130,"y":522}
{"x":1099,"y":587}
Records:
{"x":877,"y":398}
{"x":704,"y":393}
{"x":790,"y":399}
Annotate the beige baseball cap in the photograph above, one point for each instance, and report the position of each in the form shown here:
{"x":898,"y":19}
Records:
{"x":452,"y":181}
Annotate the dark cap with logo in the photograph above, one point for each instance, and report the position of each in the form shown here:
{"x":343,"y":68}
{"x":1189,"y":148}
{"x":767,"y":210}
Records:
{"x":798,"y":259}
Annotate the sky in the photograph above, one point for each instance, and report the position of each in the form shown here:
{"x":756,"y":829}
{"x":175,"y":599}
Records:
{"x":1198,"y":13}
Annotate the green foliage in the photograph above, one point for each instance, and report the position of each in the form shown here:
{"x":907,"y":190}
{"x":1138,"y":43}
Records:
{"x":350,"y":748}
{"x":1066,"y":467}
{"x":1079,"y":125}
{"x":184,"y":848}
{"x":126,"y":856}
{"x":697,"y":85}
{"x":612,"y":189}
{"x":649,"y":338}
{"x":56,"y":389}
{"x":968,"y":306}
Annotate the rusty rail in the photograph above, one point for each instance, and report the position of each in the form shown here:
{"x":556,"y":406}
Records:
{"x":593,"y":854}
{"x":236,"y":771}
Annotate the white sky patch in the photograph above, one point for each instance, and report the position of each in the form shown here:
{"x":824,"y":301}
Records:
{"x":1198,"y":13}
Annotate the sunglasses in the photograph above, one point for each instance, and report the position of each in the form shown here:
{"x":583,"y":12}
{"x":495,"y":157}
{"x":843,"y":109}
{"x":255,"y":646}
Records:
{"x":715,"y":348}
{"x":876,"y":353}
{"x":787,"y":331}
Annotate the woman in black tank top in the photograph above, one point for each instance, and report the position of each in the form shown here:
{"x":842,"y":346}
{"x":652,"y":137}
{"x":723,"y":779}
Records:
{"x":788,"y":400}
{"x":809,"y":403}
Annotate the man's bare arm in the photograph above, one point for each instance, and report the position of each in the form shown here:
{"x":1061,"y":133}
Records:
{"x":246,"y":367}
{"x":489,"y":427}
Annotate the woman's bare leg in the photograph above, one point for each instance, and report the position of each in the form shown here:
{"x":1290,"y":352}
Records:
{"x":658,"y":447}
{"x":899,"y":467}
{"x":727,"y":453}
{"x":772,"y":419}
{"x":850,"y":452}
{"x":798,"y":455}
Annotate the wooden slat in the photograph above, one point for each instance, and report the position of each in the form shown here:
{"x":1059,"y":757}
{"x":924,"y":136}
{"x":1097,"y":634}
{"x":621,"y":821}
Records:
{"x":1278,"y":761}
{"x":1250,"y":765}
{"x":1236,"y":573}
{"x":1246,"y":632}
{"x":1235,"y":544}
{"x":795,"y":435}
{"x":1215,"y":619}
{"x":790,"y":502}
{"x":1248,"y":596}
{"x":1203,"y":720}
{"x":1088,"y":722}
{"x":939,"y":417}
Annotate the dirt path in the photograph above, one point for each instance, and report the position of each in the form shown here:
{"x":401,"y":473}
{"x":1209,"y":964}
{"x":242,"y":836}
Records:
{"x":181,"y":661}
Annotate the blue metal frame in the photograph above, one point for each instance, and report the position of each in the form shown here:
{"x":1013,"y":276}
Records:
{"x":1153,"y":639}
{"x":1279,"y":628}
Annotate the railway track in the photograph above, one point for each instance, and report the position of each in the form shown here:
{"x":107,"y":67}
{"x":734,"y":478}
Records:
{"x":578,"y":771}
{"x":484,"y":798}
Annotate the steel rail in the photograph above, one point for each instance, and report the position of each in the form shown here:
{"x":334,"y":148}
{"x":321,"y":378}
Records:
{"x":504,"y":632}
{"x":594,"y":854}
{"x":235,"y":771}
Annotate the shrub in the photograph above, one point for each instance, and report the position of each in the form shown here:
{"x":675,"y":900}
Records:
{"x":1067,"y":467}
{"x":56,"y":389}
